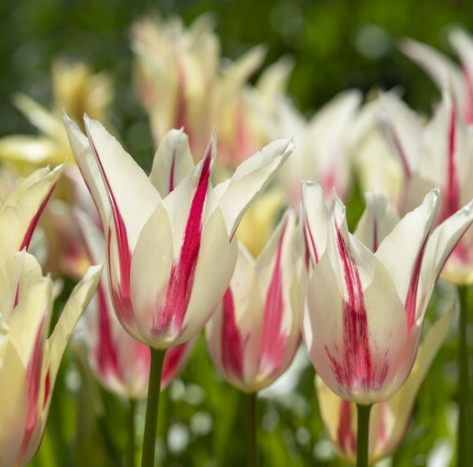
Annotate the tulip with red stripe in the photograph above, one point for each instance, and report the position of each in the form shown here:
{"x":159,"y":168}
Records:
{"x":255,"y":332}
{"x":389,"y":419}
{"x":29,"y":359}
{"x":120,"y":362}
{"x":368,"y":292}
{"x":171,"y":248}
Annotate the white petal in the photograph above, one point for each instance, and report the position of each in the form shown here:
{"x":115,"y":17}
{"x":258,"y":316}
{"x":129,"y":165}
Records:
{"x":377,"y":221}
{"x":172,"y":162}
{"x":249,"y":179}
{"x":400,"y":250}
{"x":89,"y":169}
{"x":315,"y":220}
{"x":132,"y":196}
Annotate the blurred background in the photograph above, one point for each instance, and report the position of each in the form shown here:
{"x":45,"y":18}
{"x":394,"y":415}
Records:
{"x":334,"y":45}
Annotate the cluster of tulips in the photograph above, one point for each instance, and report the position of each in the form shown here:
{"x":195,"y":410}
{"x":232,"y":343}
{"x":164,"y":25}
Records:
{"x":255,"y":249}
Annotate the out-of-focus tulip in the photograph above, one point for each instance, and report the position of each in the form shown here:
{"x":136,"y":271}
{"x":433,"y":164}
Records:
{"x":20,"y":212}
{"x":443,"y":70}
{"x":29,"y":361}
{"x":389,"y":420}
{"x":183,"y":82}
{"x":77,"y":90}
{"x":438,"y":154}
{"x":171,"y":249}
{"x":323,"y":151}
{"x":255,"y":332}
{"x":368,"y":292}
{"x":120,"y":363}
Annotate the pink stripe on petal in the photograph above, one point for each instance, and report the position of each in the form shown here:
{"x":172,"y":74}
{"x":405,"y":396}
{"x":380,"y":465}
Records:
{"x":232,"y":347}
{"x":171,"y":174}
{"x":171,"y":315}
{"x":356,"y":368}
{"x":346,"y":437}
{"x":393,"y":138}
{"x":121,"y":299}
{"x":411,"y":299}
{"x":33,"y":382}
{"x":274,"y":339}
{"x":34,"y":221}
{"x":312,"y":241}
{"x":375,"y":234}
{"x":451,"y":193}
{"x":105,"y":352}
{"x":121,"y":296}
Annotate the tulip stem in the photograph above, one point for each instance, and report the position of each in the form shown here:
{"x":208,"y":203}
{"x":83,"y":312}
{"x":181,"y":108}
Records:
{"x":463,"y":395}
{"x":362,"y":437}
{"x":130,"y":457}
{"x":152,"y":406}
{"x":252,"y":448}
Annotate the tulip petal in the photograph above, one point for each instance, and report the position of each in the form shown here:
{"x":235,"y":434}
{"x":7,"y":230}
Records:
{"x":277,"y":272}
{"x":76,"y":304}
{"x":353,"y":349}
{"x":89,"y":169}
{"x":401,"y":404}
{"x":315,"y":221}
{"x":172,"y":162}
{"x":412,"y":232}
{"x":377,"y":221}
{"x":251,"y":177}
{"x":444,"y":239}
{"x":126,"y":184}
{"x":13,"y":414}
{"x":439,"y":67}
{"x":21,"y":211}
{"x":235,"y":329}
{"x":150,"y":270}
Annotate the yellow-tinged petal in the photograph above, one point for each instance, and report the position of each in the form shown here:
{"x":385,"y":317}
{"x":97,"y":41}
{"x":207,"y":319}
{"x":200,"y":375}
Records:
{"x":76,"y":304}
{"x":14,"y":406}
{"x":25,"y":153}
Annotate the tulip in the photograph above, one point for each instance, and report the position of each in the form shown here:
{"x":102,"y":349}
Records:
{"x":166,"y":235}
{"x":254,"y":333}
{"x":389,"y":419}
{"x":184,"y":82}
{"x":29,"y":360}
{"x":363,"y":355}
{"x":324,"y":147}
{"x":120,"y":362}
{"x":443,"y":70}
{"x":76,"y":89}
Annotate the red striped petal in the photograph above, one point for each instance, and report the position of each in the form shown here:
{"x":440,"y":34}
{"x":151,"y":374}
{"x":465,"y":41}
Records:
{"x":274,"y":340}
{"x":34,"y":221}
{"x":170,"y":317}
{"x":356,"y":369}
{"x":232,"y":346}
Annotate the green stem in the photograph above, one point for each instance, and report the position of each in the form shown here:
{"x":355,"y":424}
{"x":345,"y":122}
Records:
{"x":362,"y":435}
{"x":252,"y":448}
{"x":152,"y":406}
{"x":463,"y":394}
{"x":130,"y":455}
